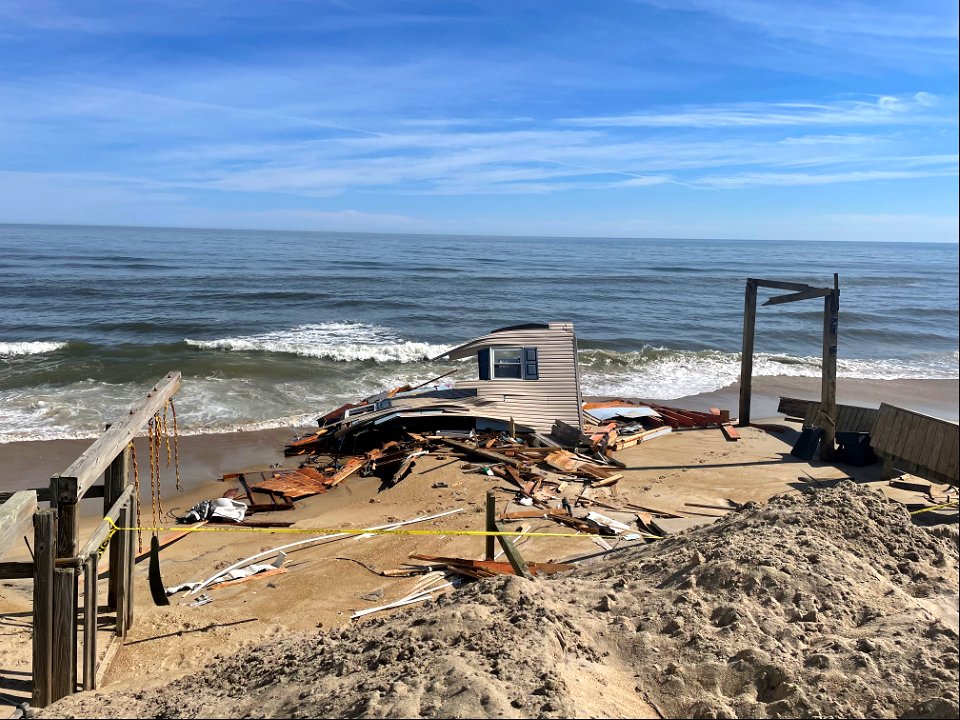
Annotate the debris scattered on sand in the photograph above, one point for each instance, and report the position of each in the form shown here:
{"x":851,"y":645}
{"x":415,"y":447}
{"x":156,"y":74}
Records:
{"x":824,"y":603}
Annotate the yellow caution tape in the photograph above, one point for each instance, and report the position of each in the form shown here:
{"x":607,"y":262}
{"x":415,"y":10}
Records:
{"x":934,"y":507}
{"x":360,"y":531}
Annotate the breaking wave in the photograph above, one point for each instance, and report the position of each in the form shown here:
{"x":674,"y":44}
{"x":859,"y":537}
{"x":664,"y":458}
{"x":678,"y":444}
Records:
{"x":341,"y":342}
{"x":254,"y":394}
{"x":664,"y":373}
{"x":32,"y":347}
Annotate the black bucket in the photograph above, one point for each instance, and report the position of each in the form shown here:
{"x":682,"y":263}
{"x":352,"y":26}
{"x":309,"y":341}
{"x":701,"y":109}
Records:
{"x":855,"y":449}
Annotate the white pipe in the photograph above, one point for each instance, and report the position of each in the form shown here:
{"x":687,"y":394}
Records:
{"x":408,"y":600}
{"x":268,"y":553}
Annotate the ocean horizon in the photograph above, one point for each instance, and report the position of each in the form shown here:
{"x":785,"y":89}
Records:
{"x":272,"y":327}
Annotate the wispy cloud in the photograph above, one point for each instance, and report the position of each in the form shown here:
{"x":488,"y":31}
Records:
{"x":369,"y":113}
{"x":827,"y":178}
{"x":884,"y":110}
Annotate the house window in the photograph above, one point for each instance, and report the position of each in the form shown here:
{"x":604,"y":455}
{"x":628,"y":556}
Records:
{"x":508,"y":363}
{"x":516,"y":363}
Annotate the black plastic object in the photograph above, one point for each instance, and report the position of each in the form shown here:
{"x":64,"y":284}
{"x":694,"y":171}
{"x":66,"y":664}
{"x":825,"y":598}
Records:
{"x":806,"y":446}
{"x":157,"y":591}
{"x":855,"y":448}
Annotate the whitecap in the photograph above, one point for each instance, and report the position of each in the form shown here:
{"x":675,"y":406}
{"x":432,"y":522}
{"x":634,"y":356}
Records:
{"x":29,"y":347}
{"x":341,"y":342}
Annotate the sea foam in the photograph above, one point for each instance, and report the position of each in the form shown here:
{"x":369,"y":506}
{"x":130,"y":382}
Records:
{"x":341,"y":342}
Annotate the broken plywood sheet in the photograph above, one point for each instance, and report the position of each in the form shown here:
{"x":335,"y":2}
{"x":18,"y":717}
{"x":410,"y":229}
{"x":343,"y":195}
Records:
{"x":293,"y":484}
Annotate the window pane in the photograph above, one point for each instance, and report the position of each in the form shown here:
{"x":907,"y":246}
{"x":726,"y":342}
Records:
{"x":505,"y":370}
{"x":506,"y":355}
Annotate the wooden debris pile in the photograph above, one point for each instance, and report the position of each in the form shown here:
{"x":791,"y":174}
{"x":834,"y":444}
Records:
{"x":614,"y":425}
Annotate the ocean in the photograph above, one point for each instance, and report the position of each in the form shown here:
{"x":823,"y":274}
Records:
{"x":271,"y":328}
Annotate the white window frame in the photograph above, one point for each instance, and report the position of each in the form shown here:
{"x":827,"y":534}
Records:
{"x":493,"y":362}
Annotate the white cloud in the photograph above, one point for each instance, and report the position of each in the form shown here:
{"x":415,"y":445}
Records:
{"x":885,"y":110}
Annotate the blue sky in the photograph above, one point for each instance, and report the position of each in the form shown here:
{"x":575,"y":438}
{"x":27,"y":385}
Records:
{"x":645,"y":118}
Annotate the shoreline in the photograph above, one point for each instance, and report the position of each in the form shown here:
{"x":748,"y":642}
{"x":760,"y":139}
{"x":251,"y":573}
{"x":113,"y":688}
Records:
{"x":205,"y":457}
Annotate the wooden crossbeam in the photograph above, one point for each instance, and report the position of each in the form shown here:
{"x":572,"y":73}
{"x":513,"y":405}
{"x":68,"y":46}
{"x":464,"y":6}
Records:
{"x":778,"y":284}
{"x":794,"y":297}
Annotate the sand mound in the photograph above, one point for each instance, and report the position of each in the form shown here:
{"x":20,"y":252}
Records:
{"x":825,"y":604}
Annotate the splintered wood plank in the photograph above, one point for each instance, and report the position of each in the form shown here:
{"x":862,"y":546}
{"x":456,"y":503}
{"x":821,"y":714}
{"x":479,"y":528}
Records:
{"x":729,"y":432}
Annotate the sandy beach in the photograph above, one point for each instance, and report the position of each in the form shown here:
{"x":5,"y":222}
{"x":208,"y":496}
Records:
{"x":320,"y":588}
{"x":207,"y":457}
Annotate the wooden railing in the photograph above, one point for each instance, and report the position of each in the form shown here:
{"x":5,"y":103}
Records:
{"x":59,"y":559}
{"x":850,"y":418}
{"x":919,"y":444}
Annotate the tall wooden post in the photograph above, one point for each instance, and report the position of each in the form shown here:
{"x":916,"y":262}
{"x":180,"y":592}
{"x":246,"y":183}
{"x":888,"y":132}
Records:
{"x":124,"y":569}
{"x":90,"y":623}
{"x":491,"y":524}
{"x":115,"y":480}
{"x":828,"y":390}
{"x":746,"y":353}
{"x":63,"y":492}
{"x":44,"y":545}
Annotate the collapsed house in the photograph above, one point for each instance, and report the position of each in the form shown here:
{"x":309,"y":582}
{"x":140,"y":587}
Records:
{"x":527,"y":380}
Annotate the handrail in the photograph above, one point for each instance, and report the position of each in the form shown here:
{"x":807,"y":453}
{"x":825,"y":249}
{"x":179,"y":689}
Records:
{"x":102,"y":532}
{"x":84,"y":471}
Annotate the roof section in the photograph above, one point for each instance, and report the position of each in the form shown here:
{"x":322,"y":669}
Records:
{"x":491,"y":339}
{"x":526,"y":326}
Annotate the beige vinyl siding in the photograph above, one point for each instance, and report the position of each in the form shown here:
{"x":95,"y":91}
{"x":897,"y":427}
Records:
{"x":554,"y":396}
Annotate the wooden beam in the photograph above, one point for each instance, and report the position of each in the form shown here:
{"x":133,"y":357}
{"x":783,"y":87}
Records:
{"x":91,"y":464}
{"x":115,"y":479}
{"x":828,"y":393}
{"x":64,"y":634}
{"x":491,"y":524}
{"x":778,"y":284}
{"x":517,"y":562}
{"x":746,"y":353}
{"x":43,"y":493}
{"x":16,"y":518}
{"x":44,"y":542}
{"x":102,"y":531}
{"x":794,"y":297}
{"x":488,"y":455}
{"x":124,"y":571}
{"x":16,"y":570}
{"x":90,"y":623}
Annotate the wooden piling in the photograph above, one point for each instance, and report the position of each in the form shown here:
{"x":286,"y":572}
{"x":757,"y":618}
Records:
{"x":115,"y":479}
{"x":491,"y":524}
{"x":44,"y":544}
{"x":828,"y":391}
{"x":90,"y":623}
{"x":64,"y":633}
{"x":746,"y":353}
